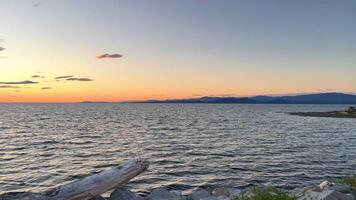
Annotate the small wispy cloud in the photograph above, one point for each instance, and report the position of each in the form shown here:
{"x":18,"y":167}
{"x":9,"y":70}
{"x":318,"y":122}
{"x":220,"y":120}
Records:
{"x":2,"y":48}
{"x":8,"y":86}
{"x":79,"y":79}
{"x":106,"y":55}
{"x":63,"y":77}
{"x":37,"y":76}
{"x":46,"y":88}
{"x":18,"y":82}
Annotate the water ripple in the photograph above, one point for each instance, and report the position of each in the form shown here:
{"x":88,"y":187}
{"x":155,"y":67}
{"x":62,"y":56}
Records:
{"x":44,"y":145}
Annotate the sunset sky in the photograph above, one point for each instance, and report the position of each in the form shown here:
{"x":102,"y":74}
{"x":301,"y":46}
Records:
{"x":119,"y":50}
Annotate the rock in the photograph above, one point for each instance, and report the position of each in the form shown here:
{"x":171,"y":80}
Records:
{"x":341,"y":188}
{"x":123,"y":194}
{"x":24,"y":196}
{"x":252,"y":191}
{"x":325,"y":195}
{"x":98,"y":198}
{"x":325,"y":184}
{"x":200,"y":195}
{"x":176,"y":192}
{"x":234,"y":192}
{"x":327,"y":191}
{"x":215,"y":198}
{"x":164,"y":194}
{"x":335,"y":195}
{"x":297,"y":192}
{"x":221,"y":192}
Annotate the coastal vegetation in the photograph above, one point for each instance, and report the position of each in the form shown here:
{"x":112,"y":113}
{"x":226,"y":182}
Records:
{"x":269,"y":193}
{"x":351,"y":182}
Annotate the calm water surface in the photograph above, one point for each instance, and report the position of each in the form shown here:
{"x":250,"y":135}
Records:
{"x":189,"y":145}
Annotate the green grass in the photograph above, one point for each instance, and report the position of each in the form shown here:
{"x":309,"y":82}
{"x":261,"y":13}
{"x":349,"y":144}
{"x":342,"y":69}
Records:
{"x":267,"y":194}
{"x":351,"y":182}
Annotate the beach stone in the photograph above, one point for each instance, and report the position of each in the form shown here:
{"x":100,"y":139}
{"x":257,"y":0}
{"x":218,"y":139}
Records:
{"x":200,"y":195}
{"x":327,"y":191}
{"x":176,"y":192}
{"x":325,"y":195}
{"x":297,"y":192}
{"x":98,"y":198}
{"x":221,"y":192}
{"x":123,"y":194}
{"x":162,"y":193}
{"x":325,"y":185}
{"x":215,"y":198}
{"x":234,"y":192}
{"x":341,"y":188}
{"x":335,"y":195}
{"x":24,"y":196}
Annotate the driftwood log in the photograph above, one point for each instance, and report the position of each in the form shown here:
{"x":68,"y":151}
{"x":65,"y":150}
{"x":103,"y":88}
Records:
{"x":88,"y":187}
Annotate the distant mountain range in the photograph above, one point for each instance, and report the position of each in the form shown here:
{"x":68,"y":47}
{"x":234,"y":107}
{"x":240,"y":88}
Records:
{"x":320,"y":98}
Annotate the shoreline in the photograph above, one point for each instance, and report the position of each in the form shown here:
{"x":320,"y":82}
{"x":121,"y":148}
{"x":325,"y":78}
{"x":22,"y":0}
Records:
{"x":331,"y":114}
{"x":110,"y":184}
{"x":349,"y":113}
{"x":326,"y":190}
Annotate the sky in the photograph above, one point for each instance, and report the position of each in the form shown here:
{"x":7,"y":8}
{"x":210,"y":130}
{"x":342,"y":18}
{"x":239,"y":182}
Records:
{"x":120,"y":50}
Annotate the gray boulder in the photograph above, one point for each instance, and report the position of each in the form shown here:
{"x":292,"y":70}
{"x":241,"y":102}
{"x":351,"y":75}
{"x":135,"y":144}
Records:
{"x":234,"y":192}
{"x":341,"y":188}
{"x":164,"y":194}
{"x":123,"y":194}
{"x":24,"y":196}
{"x":327,"y":192}
{"x":221,"y":192}
{"x":98,"y":198}
{"x":200,"y":195}
{"x":325,"y":195}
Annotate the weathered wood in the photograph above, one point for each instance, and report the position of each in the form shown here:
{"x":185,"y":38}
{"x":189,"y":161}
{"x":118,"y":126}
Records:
{"x":97,"y":184}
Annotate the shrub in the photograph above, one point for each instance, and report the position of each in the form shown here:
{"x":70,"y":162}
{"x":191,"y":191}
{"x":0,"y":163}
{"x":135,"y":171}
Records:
{"x":265,"y":194}
{"x":351,"y":181}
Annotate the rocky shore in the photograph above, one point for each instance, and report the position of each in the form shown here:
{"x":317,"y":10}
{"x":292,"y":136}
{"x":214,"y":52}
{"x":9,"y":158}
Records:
{"x":324,"y":191}
{"x":112,"y":181}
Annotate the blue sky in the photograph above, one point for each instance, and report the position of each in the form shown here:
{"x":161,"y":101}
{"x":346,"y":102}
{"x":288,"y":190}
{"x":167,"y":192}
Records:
{"x":180,"y":48}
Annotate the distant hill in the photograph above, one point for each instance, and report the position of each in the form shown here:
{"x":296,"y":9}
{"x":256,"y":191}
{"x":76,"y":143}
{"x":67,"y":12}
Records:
{"x":94,"y":102}
{"x":321,"y":98}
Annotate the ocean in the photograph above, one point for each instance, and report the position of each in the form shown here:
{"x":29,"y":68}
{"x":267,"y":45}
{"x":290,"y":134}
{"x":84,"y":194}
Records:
{"x":188,"y":145}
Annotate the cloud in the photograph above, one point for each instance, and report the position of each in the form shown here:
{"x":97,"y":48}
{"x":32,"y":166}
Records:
{"x":37,"y":76}
{"x":63,"y":77}
{"x":19,"y":82}
{"x":106,"y":55}
{"x":2,"y":48}
{"x":79,"y":79}
{"x":8,"y":86}
{"x":46,"y":88}
{"x":72,"y":78}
